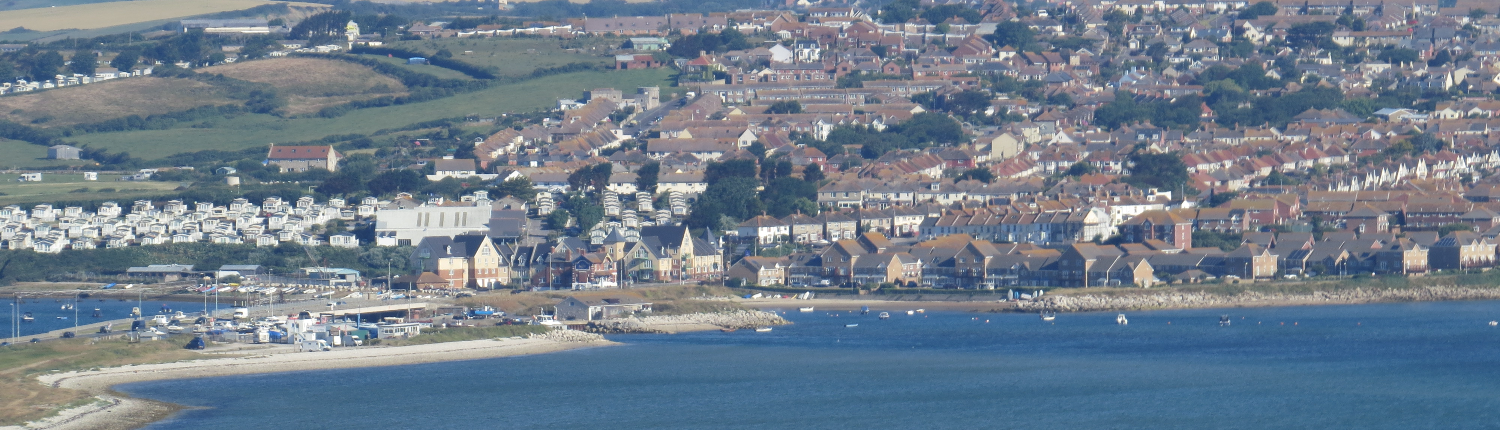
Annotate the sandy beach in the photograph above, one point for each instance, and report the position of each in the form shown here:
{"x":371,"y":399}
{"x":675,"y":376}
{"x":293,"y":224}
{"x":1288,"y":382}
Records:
{"x":117,"y":411}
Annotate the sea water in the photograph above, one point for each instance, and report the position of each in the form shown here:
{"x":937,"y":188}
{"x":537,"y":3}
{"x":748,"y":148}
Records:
{"x":46,"y":311}
{"x":1419,"y":365}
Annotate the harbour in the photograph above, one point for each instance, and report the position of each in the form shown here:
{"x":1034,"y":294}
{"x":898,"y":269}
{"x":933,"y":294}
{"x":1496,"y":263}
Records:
{"x":1361,"y":366}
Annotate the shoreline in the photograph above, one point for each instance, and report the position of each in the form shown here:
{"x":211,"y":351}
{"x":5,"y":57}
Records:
{"x":1146,"y":300}
{"x":840,"y":304}
{"x":1165,"y":300}
{"x":114,"y":410}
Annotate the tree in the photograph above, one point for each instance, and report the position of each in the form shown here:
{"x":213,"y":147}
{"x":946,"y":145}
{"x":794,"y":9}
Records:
{"x":978,"y":173}
{"x":812,"y":173}
{"x":44,"y":66}
{"x":557,"y":220}
{"x":1221,"y":198}
{"x":83,"y":63}
{"x":647,"y":176}
{"x":786,"y":195}
{"x":899,"y":11}
{"x":519,"y":187}
{"x":126,"y":59}
{"x":1258,"y":10}
{"x":595,"y":177}
{"x":1157,"y":170}
{"x":720,"y":171}
{"x":930,"y":127}
{"x":773,"y":169}
{"x":1442,"y":57}
{"x":393,"y":181}
{"x":784,"y":107}
{"x":1427,"y":142}
{"x":1477,"y":14}
{"x":733,"y":197}
{"x":1081,"y":168}
{"x":1012,"y":33}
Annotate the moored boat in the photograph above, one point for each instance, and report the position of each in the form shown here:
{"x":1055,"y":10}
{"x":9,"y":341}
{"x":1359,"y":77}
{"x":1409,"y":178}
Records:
{"x":885,"y":315}
{"x":851,"y":325}
{"x":1049,"y":316}
{"x":26,"y":317}
{"x":1120,"y":319}
{"x":762,"y":329}
{"x":805,"y":309}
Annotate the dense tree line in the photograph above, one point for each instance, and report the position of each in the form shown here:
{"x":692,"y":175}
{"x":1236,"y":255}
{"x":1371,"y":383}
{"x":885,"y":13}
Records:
{"x":446,"y":62}
{"x":690,"y":46}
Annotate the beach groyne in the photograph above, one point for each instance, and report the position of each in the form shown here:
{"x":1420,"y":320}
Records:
{"x":742,"y":319}
{"x":1183,"y":300}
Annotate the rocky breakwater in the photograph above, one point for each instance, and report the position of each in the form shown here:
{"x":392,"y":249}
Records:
{"x":743,"y":319}
{"x":1181,"y":300}
{"x":567,"y":336}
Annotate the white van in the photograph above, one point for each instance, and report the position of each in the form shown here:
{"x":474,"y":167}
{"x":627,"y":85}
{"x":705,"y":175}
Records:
{"x":241,"y":313}
{"x":314,"y":345}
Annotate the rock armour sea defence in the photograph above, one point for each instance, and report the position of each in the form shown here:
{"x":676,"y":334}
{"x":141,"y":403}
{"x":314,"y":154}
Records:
{"x":1171,"y":300}
{"x":567,"y":336}
{"x":743,"y":319}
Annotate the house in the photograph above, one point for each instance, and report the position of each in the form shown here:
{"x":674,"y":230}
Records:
{"x":62,"y":152}
{"x":1251,"y":261}
{"x":302,"y":158}
{"x":764,"y":229}
{"x":1159,"y":225}
{"x":881,"y":268}
{"x":463,"y":261}
{"x":600,"y":307}
{"x":1461,"y":250}
{"x":762,"y":271}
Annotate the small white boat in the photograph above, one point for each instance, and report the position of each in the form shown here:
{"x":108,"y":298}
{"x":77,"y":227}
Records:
{"x":921,"y":311}
{"x":174,"y":329}
{"x":1224,"y":320}
{"x":1120,"y":319}
{"x":1494,"y":323}
{"x":1049,"y":317}
{"x":851,"y":325}
{"x":911,"y":312}
{"x":806,"y":309}
{"x":885,"y":315}
{"x":762,"y":329}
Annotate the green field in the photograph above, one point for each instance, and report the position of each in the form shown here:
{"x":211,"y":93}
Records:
{"x":21,"y":155}
{"x":71,"y":186}
{"x":435,"y":71}
{"x":518,"y":56}
{"x":259,"y":130}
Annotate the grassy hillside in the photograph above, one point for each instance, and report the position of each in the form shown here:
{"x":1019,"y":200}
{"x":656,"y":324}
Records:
{"x":73,"y":187}
{"x":435,"y":71}
{"x":518,"y":56}
{"x":85,"y":16}
{"x":310,"y":84}
{"x":15,"y":154}
{"x":248,"y":131}
{"x":110,"y":99}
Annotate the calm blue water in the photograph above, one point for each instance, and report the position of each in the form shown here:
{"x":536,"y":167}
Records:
{"x":1424,"y":365}
{"x":47,"y":309}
